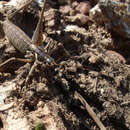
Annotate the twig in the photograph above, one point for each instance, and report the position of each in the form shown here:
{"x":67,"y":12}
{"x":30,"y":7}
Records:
{"x":90,"y":111}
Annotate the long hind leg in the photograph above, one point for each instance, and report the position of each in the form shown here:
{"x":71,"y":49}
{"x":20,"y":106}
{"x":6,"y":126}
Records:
{"x":37,"y":36}
{"x":36,"y":39}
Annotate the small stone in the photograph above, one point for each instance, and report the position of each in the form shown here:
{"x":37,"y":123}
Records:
{"x":40,"y":104}
{"x":114,"y":14}
{"x":82,"y":18}
{"x":114,"y":54}
{"x":74,"y":4}
{"x":66,"y":9}
{"x":83,"y":7}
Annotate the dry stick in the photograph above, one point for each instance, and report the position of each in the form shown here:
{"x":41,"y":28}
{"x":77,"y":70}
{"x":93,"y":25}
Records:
{"x":90,"y":111}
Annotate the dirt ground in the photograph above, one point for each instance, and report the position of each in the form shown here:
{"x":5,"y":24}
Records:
{"x":90,"y":60}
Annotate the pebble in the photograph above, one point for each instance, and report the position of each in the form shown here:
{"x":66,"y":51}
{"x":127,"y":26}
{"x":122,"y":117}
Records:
{"x":83,"y":7}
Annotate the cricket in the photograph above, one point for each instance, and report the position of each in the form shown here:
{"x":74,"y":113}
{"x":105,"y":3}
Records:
{"x":23,"y":43}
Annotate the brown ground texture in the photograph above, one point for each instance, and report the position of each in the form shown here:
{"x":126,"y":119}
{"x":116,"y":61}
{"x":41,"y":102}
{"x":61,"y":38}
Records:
{"x":91,"y":61}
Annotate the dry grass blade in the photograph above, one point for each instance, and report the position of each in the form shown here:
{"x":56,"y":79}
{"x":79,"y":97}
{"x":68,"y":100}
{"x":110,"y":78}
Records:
{"x":6,"y":106}
{"x":90,"y":111}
